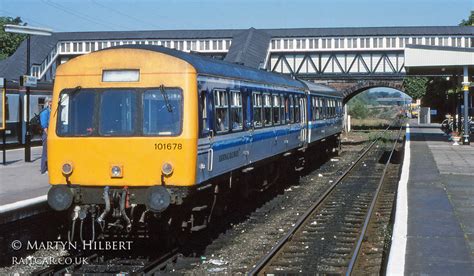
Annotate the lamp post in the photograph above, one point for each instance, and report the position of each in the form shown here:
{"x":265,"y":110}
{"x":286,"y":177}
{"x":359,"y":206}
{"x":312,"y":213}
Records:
{"x":465,"y":88}
{"x":28,"y":31}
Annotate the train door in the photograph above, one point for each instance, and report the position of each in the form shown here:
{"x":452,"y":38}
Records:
{"x":254,"y":115}
{"x":303,"y":120}
{"x":206,"y":136}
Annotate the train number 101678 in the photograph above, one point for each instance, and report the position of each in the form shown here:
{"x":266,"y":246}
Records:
{"x":168,"y":146}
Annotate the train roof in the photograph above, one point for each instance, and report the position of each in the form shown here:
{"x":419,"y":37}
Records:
{"x":215,"y":67}
{"x":317,"y":88}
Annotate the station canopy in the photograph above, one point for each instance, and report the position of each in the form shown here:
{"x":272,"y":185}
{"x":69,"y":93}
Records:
{"x":438,"y":60}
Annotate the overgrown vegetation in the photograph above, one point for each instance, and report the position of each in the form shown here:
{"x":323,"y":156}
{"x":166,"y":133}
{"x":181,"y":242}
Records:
{"x":415,"y":87}
{"x":9,"y":42}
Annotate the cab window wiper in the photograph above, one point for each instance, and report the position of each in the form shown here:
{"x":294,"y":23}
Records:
{"x":165,"y":96}
{"x":61,"y":99}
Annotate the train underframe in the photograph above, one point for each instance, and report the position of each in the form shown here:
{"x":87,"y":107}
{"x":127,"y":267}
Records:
{"x":159,"y":212}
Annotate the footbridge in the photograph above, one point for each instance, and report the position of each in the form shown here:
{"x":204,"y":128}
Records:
{"x":350,"y":59}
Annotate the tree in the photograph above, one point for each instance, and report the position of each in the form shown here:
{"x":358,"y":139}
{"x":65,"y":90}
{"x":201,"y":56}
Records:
{"x":9,"y":42}
{"x":415,"y":87}
{"x":469,"y":21}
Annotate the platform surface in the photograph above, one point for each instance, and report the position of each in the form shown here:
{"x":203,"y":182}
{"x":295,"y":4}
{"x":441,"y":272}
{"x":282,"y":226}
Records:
{"x":20,"y":180}
{"x":440,"y":232}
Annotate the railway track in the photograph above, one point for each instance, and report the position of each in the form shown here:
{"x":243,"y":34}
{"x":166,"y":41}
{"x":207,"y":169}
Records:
{"x":330,"y":236}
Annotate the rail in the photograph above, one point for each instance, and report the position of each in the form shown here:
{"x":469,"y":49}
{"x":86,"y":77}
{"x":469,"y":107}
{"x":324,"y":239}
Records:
{"x":301,"y":221}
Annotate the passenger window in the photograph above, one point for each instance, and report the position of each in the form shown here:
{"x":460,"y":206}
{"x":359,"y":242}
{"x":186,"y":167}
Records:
{"x":221,"y":104}
{"x":257,"y":110}
{"x":236,"y":110}
{"x":292,"y":110}
{"x":276,"y":109}
{"x":267,"y":109}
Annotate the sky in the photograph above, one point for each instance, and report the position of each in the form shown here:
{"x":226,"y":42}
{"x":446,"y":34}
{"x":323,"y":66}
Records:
{"x":124,"y":15}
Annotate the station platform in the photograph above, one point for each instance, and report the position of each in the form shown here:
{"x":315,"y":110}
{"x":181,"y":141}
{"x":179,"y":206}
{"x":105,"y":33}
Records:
{"x":22,"y":186}
{"x":434,"y":221}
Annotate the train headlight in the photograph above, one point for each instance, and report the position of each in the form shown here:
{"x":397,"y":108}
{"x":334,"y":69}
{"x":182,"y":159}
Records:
{"x":167,"y":168}
{"x":67,"y":168}
{"x":116,"y":171}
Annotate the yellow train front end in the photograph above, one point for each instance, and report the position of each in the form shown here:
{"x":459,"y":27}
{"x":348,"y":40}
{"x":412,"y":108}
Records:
{"x":123,"y":133}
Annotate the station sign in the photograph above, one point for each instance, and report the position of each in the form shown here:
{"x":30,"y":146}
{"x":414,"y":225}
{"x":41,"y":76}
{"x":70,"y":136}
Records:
{"x":2,"y":104}
{"x":28,"y":81}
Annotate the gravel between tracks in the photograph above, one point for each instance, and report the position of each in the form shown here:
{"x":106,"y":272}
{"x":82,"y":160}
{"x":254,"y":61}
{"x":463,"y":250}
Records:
{"x":240,"y":247}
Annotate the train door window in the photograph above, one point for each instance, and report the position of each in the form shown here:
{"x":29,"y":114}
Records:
{"x":257,"y":109}
{"x":330,"y":108}
{"x":333,"y":107}
{"x":267,"y":109}
{"x":221,"y":105}
{"x":292,"y":109}
{"x":276,"y":109}
{"x":331,"y":113}
{"x":282,"y":109}
{"x":314,"y":108}
{"x":203,"y":113}
{"x":297,"y":109}
{"x":340,"y":107}
{"x":236,"y":110}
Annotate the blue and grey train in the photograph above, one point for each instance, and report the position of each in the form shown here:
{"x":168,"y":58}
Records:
{"x":169,"y":131}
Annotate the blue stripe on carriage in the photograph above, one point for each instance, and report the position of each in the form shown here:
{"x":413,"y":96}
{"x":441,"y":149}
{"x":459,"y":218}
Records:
{"x":238,"y":141}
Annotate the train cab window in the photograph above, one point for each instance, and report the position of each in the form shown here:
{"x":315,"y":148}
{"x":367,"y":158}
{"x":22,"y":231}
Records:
{"x":117,"y":112}
{"x":76,"y":113}
{"x":276,"y":109}
{"x":221,"y":104}
{"x":297,"y":109}
{"x":267,"y":110}
{"x":292,"y":109}
{"x":162,"y":111}
{"x":257,"y":109}
{"x":236,"y":110}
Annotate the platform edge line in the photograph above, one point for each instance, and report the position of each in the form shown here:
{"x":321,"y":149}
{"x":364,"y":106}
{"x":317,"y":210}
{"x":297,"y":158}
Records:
{"x":396,"y":260}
